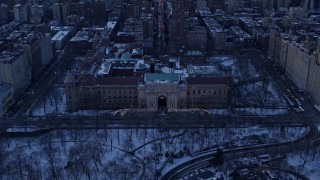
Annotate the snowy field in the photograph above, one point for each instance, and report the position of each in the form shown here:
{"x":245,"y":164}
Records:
{"x":121,"y":153}
{"x":306,"y":162}
{"x":250,"y":87}
{"x":260,"y":111}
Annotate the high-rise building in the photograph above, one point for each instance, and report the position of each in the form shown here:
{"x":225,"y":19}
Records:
{"x":138,"y":31}
{"x":99,"y":12}
{"x":21,"y":12}
{"x":37,"y":11}
{"x":4,"y":13}
{"x":15,"y":69}
{"x":314,"y":80}
{"x":79,"y":8}
{"x":215,"y":4}
{"x":38,"y":48}
{"x":295,"y":3}
{"x":178,"y":25}
{"x":311,"y":4}
{"x":266,"y":5}
{"x":197,"y":38}
{"x":147,"y":23}
{"x":46,"y":49}
{"x":60,"y":12}
{"x":6,"y":96}
{"x":201,"y":4}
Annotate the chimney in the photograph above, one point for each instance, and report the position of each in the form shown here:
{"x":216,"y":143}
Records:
{"x":152,"y":66}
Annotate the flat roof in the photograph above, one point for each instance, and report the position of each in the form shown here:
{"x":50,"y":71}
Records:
{"x":203,"y":69}
{"x":111,"y":24}
{"x":60,"y":35}
{"x":161,"y":77}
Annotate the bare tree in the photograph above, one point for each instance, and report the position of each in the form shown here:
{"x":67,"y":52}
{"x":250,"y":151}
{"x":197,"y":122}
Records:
{"x":95,"y":152}
{"x":3,"y":158}
{"x":73,"y":166}
{"x":87,"y":165}
{"x":50,"y":153}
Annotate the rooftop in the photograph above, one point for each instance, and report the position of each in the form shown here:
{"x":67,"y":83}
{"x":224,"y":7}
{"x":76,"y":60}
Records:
{"x":203,"y":70}
{"x":207,"y":80}
{"x":111,"y":24}
{"x":161,"y":77}
{"x":8,"y":57}
{"x":60,"y":35}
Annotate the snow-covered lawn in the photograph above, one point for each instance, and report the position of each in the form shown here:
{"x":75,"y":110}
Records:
{"x":260,"y":111}
{"x":122,"y":153}
{"x":306,"y":163}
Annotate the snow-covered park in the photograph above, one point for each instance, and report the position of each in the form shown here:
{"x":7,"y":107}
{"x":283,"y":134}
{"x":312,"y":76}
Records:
{"x":122,"y":153}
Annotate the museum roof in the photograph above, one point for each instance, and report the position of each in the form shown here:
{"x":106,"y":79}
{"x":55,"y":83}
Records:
{"x":161,"y":77}
{"x":90,"y":80}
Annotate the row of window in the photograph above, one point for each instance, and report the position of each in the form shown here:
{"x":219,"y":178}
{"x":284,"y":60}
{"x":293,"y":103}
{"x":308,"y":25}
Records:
{"x":114,"y":92}
{"x":5,"y":99}
{"x":109,"y":88}
{"x":204,"y":92}
{"x":110,"y":101}
{"x":108,"y":97}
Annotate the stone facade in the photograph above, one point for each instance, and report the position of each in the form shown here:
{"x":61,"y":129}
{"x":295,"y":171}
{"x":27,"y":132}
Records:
{"x":298,"y":63}
{"x":207,"y":92}
{"x":15,"y":70}
{"x":101,"y":93}
{"x":314,"y":80}
{"x":158,"y":92}
{"x":166,"y":86}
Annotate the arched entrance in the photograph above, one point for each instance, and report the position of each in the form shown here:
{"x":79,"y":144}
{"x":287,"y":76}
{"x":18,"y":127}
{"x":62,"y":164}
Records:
{"x":162,"y":103}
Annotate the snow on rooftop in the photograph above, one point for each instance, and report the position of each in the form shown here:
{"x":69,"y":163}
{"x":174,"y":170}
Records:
{"x":111,"y":24}
{"x":60,"y":35}
{"x":203,"y":70}
{"x":104,"y":69}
